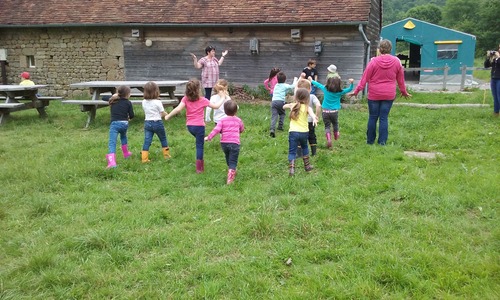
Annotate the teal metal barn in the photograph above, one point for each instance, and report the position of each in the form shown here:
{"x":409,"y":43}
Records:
{"x":432,"y":46}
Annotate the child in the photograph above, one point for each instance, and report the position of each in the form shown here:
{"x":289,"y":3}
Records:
{"x":331,"y":105}
{"x":25,"y":79}
{"x":310,"y":71}
{"x":332,"y":72}
{"x":271,"y":81}
{"x":278,"y":100}
{"x":220,"y":89}
{"x":195,"y":106}
{"x":153,"y":123}
{"x":121,"y":112}
{"x":315,"y":104}
{"x":299,"y":131}
{"x":230,"y":128}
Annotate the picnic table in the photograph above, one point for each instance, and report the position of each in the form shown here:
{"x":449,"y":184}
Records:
{"x":97,"y":88}
{"x":22,"y":97}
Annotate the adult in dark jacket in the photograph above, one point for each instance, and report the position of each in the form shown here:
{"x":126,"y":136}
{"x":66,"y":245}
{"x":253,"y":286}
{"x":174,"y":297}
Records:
{"x":493,"y":61}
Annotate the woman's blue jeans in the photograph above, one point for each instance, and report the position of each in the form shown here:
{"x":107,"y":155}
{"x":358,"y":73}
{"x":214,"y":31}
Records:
{"x":296,"y":139}
{"x":199,"y":133}
{"x":495,"y":91}
{"x":378,"y":111}
{"x":150,"y":128}
{"x":117,"y":127}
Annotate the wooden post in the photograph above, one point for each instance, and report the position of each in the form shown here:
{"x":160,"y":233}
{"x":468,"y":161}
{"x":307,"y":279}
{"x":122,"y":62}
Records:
{"x":445,"y":76}
{"x":462,"y":80}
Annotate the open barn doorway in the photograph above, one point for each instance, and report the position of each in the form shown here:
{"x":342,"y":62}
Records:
{"x":410,"y":55}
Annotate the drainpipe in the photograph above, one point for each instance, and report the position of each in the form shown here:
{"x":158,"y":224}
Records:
{"x":367,"y":51}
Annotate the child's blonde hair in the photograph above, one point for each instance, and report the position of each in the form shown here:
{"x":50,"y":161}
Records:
{"x":193,"y":90}
{"x":301,"y":97}
{"x":221,"y":85}
{"x":304,"y":83}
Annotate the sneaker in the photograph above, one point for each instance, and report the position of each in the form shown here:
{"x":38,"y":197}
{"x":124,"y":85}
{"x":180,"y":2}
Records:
{"x":272,"y":134}
{"x":280,"y":128}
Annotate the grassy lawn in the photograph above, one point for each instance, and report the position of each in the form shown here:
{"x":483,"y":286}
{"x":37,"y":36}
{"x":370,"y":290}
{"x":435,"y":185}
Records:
{"x":367,"y":223}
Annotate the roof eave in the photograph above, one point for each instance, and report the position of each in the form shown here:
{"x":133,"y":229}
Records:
{"x":190,"y":25}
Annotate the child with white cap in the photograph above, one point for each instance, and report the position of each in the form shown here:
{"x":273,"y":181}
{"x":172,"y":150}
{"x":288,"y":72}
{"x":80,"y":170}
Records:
{"x":332,"y":72}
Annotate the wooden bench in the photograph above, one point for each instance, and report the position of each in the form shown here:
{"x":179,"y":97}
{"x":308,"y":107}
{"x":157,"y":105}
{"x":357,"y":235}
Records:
{"x":141,"y":95}
{"x":91,"y":106}
{"x":10,"y":105}
{"x":39,"y":98}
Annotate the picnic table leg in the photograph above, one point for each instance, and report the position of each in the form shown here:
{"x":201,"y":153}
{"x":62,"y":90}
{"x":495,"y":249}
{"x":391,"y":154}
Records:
{"x":91,"y":116}
{"x":41,"y":110}
{"x":3,"y":117}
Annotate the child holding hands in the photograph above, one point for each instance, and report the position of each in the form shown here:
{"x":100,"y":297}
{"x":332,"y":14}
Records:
{"x":195,"y":105}
{"x":299,"y":130}
{"x":278,"y":100}
{"x":222,"y":94}
{"x":153,"y":123}
{"x":230,"y":128}
{"x":331,"y":105}
{"x":121,"y":112}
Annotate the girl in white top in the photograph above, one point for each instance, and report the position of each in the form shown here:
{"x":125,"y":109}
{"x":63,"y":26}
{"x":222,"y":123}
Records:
{"x":221,"y":90}
{"x":153,"y":123}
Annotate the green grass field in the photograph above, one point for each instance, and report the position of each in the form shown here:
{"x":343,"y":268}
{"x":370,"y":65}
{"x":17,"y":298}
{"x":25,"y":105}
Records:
{"x":367,"y":223}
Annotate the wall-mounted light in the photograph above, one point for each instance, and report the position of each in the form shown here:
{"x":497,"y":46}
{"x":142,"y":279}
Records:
{"x":318,"y":47}
{"x":254,"y":46}
{"x":148,"y":42}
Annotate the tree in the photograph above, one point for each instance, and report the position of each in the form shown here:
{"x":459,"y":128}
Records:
{"x":461,"y":15}
{"x":488,"y":35}
{"x":430,"y":13}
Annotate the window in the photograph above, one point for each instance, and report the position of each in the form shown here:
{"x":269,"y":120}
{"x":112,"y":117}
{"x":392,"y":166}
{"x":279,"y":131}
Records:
{"x":447,"y":51}
{"x":30,"y":61}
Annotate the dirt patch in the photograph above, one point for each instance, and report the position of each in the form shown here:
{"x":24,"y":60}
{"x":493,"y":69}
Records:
{"x":239,"y":95}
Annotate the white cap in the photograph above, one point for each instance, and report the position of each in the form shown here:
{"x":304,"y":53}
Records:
{"x":332,"y":68}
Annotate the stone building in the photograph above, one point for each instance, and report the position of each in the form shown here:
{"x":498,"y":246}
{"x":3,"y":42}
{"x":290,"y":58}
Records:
{"x":62,"y":42}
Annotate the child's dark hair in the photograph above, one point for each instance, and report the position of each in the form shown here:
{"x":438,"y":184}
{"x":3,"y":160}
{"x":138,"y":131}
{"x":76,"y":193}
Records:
{"x":281,"y":77}
{"x":302,"y":96}
{"x":273,"y":72}
{"x":193,"y":88}
{"x":230,"y":108}
{"x":151,"y":91}
{"x":122,"y":91}
{"x":333,"y":84}
{"x":311,"y":62}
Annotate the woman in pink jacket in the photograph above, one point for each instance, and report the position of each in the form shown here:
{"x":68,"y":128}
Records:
{"x":381,"y":74}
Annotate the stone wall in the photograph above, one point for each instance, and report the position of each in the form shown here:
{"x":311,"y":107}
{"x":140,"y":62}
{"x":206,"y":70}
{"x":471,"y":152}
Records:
{"x":64,"y":56}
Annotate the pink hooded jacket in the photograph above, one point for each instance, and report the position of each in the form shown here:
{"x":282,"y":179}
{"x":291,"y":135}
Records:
{"x":381,"y":74}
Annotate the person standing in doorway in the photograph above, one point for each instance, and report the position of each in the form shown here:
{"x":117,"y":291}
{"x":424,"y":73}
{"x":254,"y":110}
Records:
{"x":209,"y":66}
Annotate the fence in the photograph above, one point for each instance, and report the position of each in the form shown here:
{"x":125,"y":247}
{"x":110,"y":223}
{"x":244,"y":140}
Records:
{"x":445,"y":70}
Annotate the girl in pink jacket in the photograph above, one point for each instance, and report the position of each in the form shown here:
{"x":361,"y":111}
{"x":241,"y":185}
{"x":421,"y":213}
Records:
{"x":381,"y":74}
{"x":271,"y":81}
{"x":230,"y":129}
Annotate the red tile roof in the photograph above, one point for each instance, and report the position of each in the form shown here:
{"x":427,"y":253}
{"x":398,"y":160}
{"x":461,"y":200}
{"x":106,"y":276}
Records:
{"x":113,"y":12}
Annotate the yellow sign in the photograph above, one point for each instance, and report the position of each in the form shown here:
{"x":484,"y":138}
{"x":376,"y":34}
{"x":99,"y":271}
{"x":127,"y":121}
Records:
{"x":409,"y":25}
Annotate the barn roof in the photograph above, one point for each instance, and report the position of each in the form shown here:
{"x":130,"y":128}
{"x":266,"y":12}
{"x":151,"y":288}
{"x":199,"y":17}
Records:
{"x":32,"y":13}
